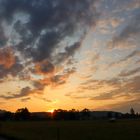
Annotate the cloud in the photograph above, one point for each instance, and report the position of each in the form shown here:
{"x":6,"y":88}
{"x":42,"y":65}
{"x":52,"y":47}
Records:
{"x":126,"y":88}
{"x":35,"y":30}
{"x":133,"y":85}
{"x":53,"y":80}
{"x":7,"y":58}
{"x":127,"y":36}
{"x":3,"y":38}
{"x":49,"y":23}
{"x":69,"y":52}
{"x":107,"y":96}
{"x":95,"y":58}
{"x":60,"y":79}
{"x":38,"y":85}
{"x":24,"y":92}
{"x":105,"y":25}
{"x":96,"y":84}
{"x":46,"y":100}
{"x":135,"y":4}
{"x":109,"y":89}
{"x":44,"y":67}
{"x":25,"y":99}
{"x":104,"y":89}
{"x":134,"y":53}
{"x":129,"y":73}
{"x":115,"y":22}
{"x":138,"y":62}
{"x":14,"y":70}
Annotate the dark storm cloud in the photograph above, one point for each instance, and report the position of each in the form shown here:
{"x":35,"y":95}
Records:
{"x":69,"y":52}
{"x":50,"y":21}
{"x":38,"y":28}
{"x":3,"y":38}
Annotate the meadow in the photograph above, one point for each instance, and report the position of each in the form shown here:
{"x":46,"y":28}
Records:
{"x":72,"y":130}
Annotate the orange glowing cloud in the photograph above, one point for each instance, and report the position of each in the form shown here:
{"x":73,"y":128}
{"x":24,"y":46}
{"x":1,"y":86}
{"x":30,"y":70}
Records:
{"x":57,"y":79}
{"x":7,"y":58}
{"x":44,"y":67}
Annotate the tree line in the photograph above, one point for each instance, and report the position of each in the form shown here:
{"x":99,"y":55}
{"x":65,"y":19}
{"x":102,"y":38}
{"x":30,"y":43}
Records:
{"x":23,"y":114}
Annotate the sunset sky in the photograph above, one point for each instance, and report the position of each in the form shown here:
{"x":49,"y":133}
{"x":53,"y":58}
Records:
{"x":70,"y":54}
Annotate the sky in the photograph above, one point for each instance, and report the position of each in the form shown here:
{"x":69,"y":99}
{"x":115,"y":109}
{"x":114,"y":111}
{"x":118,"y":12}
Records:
{"x":70,"y":54}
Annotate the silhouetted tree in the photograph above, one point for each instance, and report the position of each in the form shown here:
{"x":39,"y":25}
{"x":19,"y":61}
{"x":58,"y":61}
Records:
{"x":73,"y":114}
{"x":132,"y":112}
{"x":59,"y":114}
{"x":6,"y":115}
{"x":22,"y":114}
{"x":85,"y":113}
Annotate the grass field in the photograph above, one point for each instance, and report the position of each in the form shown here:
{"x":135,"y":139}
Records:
{"x":73,"y":130}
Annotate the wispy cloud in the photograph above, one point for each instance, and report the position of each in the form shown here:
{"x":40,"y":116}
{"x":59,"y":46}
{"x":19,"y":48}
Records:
{"x":134,"y":53}
{"x":24,"y":92}
{"x":130,"y":72}
{"x":127,"y":36}
{"x":25,"y":99}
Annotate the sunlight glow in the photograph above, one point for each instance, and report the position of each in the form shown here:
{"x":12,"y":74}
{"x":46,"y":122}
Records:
{"x":51,"y":110}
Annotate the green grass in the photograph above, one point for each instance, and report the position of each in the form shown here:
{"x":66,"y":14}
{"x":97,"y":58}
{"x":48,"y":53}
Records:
{"x":73,"y":130}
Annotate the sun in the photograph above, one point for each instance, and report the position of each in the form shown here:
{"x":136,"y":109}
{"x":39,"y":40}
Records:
{"x":51,"y":110}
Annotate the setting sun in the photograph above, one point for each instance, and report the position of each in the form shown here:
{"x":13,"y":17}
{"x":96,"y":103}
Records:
{"x":51,"y":110}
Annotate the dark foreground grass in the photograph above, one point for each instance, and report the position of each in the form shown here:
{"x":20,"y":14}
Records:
{"x":73,"y":130}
